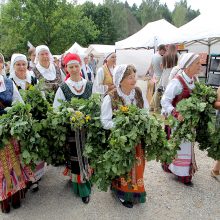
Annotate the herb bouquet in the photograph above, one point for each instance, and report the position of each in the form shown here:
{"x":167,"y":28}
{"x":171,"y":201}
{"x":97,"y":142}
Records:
{"x":115,"y":153}
{"x":19,"y":123}
{"x":199,"y":121}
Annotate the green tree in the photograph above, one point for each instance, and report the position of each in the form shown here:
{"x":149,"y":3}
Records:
{"x":135,"y":12}
{"x":123,"y":20}
{"x":101,"y":16}
{"x":149,"y":11}
{"x":165,"y":13}
{"x":191,"y":14}
{"x":183,"y":14}
{"x":56,"y":23}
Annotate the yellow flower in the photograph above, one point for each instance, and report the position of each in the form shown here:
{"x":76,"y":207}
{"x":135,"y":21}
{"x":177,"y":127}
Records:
{"x":124,"y":108}
{"x":73,"y":119}
{"x":88,"y":118}
{"x":78,"y":114}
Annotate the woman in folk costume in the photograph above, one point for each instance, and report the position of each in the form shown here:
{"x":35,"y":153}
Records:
{"x":215,"y":172}
{"x":104,"y":80}
{"x":180,"y":87}
{"x":86,"y":71}
{"x":45,"y":68}
{"x":23,"y":79}
{"x":125,"y":93}
{"x":19,"y":73}
{"x":77,"y":165}
{"x":12,"y":176}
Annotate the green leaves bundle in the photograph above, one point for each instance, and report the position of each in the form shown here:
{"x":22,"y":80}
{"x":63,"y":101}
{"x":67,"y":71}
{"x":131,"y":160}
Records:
{"x":39,"y":105}
{"x":115,"y":155}
{"x":18,"y":123}
{"x":198,"y":123}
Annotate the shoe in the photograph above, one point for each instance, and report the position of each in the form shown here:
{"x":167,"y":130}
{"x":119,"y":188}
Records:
{"x":215,"y":174}
{"x":165,"y":168}
{"x":16,"y":201}
{"x":5,"y":207}
{"x":127,"y":204}
{"x":189,"y":184}
{"x":34,"y":187}
{"x":86,"y":199}
{"x":16,"y":205}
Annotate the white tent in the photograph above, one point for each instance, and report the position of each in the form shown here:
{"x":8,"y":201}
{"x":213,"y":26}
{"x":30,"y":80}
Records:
{"x":153,"y":34}
{"x":203,"y":32}
{"x":99,"y":50}
{"x":76,"y":48}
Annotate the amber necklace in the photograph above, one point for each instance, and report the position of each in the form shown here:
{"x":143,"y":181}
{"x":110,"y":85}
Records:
{"x":78,"y":90}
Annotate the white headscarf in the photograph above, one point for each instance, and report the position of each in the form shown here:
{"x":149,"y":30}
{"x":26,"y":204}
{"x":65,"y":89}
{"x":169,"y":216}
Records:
{"x":184,"y":62}
{"x":42,"y":48}
{"x":187,"y":59}
{"x":118,"y":74}
{"x":108,"y":55}
{"x":16,"y":57}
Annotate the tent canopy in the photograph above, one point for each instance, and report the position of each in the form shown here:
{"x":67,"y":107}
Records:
{"x":204,"y":28}
{"x":153,"y":34}
{"x":76,"y":48}
{"x":99,"y":50}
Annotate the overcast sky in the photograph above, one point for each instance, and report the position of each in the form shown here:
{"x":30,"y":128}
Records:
{"x":205,"y":6}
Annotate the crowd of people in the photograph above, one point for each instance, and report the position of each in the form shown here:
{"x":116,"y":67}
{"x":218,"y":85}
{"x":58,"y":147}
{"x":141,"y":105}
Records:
{"x":172,"y":78}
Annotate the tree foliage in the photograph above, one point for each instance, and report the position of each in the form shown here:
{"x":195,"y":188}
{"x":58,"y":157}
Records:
{"x":60,"y":23}
{"x":183,"y":14}
{"x":55,"y":23}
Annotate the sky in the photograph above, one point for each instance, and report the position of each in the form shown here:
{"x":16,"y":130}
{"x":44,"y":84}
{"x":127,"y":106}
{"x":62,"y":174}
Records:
{"x":205,"y":6}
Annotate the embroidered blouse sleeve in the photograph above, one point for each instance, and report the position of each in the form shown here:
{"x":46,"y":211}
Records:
{"x":106,"y":113}
{"x":59,"y":96}
{"x":98,"y":86}
{"x":173,"y":89}
{"x":16,"y":95}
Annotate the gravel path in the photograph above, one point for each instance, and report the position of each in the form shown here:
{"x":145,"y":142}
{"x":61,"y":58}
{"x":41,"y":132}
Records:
{"x":166,"y":198}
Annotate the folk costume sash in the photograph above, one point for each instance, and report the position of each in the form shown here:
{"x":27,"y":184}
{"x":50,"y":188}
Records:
{"x":79,"y":135}
{"x":83,"y":161}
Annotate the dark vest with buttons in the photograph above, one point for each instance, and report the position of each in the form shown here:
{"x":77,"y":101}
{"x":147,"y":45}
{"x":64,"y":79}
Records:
{"x":6,"y":96}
